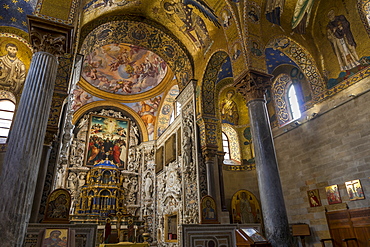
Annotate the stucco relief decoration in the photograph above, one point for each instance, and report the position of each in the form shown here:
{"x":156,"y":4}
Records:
{"x":303,"y":59}
{"x":123,"y":69}
{"x":190,"y":168}
{"x":109,"y":40}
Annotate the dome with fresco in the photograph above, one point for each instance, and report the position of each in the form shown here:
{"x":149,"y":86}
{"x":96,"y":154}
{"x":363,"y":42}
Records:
{"x":123,"y":69}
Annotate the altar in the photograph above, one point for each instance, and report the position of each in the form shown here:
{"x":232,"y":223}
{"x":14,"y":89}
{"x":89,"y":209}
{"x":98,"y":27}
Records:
{"x":125,"y":244}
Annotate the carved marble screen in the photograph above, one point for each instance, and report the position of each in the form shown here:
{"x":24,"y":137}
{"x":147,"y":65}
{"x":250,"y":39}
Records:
{"x":108,"y":138}
{"x":170,"y":149}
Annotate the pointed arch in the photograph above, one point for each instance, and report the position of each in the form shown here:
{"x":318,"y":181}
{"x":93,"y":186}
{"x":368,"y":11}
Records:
{"x":209,"y":82}
{"x":302,"y":58}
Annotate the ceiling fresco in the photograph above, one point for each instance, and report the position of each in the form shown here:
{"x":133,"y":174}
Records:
{"x":123,"y":69}
{"x":142,"y":35}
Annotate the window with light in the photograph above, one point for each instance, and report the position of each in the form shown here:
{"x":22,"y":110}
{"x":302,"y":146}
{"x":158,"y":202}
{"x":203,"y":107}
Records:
{"x":7,"y":108}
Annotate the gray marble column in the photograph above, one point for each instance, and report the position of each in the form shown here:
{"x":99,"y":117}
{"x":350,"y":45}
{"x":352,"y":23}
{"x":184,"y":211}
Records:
{"x":271,"y":194}
{"x":40,"y":183}
{"x":210,"y":166}
{"x":22,"y":159}
{"x":253,"y":86}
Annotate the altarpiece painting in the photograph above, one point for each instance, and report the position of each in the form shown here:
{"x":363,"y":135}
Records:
{"x":108,"y":138}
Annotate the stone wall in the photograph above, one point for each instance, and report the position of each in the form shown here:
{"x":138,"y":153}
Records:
{"x":331,"y":148}
{"x":239,"y":180}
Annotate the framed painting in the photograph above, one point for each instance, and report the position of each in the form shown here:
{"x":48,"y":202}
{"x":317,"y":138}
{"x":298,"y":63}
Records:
{"x":58,"y":237}
{"x":332,"y":194}
{"x":57,"y":207}
{"x":314,"y":198}
{"x":209,"y":210}
{"x":108,"y":138}
{"x":354,"y":190}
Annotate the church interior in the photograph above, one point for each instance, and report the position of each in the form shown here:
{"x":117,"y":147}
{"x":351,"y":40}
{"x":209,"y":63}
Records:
{"x":253,"y":129}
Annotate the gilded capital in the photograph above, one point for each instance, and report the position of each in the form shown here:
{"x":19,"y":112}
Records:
{"x":253,"y":85}
{"x":48,"y":36}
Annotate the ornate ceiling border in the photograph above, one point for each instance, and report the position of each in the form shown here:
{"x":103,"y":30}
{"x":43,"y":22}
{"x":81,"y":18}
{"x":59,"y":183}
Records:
{"x":132,"y":97}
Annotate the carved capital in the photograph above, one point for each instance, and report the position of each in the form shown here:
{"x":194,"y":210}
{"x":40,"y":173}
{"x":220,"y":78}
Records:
{"x":221,"y":157}
{"x":253,"y":85}
{"x":48,"y":36}
{"x":209,"y":153}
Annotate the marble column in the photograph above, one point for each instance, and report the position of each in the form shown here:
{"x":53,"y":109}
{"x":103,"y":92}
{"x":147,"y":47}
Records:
{"x":23,"y":156}
{"x":253,"y":87}
{"x":220,"y":159}
{"x":210,"y":166}
{"x":40,"y":183}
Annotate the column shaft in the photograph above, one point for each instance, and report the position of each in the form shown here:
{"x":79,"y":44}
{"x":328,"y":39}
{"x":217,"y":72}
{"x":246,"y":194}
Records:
{"x":272,"y":200}
{"x":22,"y":159}
{"x":40,"y":184}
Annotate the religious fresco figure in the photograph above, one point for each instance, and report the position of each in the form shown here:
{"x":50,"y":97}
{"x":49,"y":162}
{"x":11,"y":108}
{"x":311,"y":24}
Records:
{"x":274,"y":8}
{"x":342,"y":41}
{"x":12,"y":70}
{"x":229,"y":109}
{"x":301,"y":15}
{"x":191,"y":22}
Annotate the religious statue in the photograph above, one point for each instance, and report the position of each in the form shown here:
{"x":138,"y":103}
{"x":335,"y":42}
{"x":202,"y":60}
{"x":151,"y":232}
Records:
{"x":148,"y":187}
{"x":229,"y":109}
{"x":12,"y":70}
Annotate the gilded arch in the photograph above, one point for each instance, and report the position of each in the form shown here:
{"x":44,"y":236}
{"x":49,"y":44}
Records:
{"x":209,"y":82}
{"x":303,"y":59}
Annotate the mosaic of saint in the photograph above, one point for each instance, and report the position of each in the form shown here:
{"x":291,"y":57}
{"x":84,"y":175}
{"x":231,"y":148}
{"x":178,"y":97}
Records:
{"x":123,"y":69}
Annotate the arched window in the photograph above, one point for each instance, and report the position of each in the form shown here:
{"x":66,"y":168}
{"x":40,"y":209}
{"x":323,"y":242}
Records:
{"x":286,"y":99}
{"x":225,"y":146}
{"x":293,"y":102}
{"x":7,"y":108}
{"x":230,"y":145}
